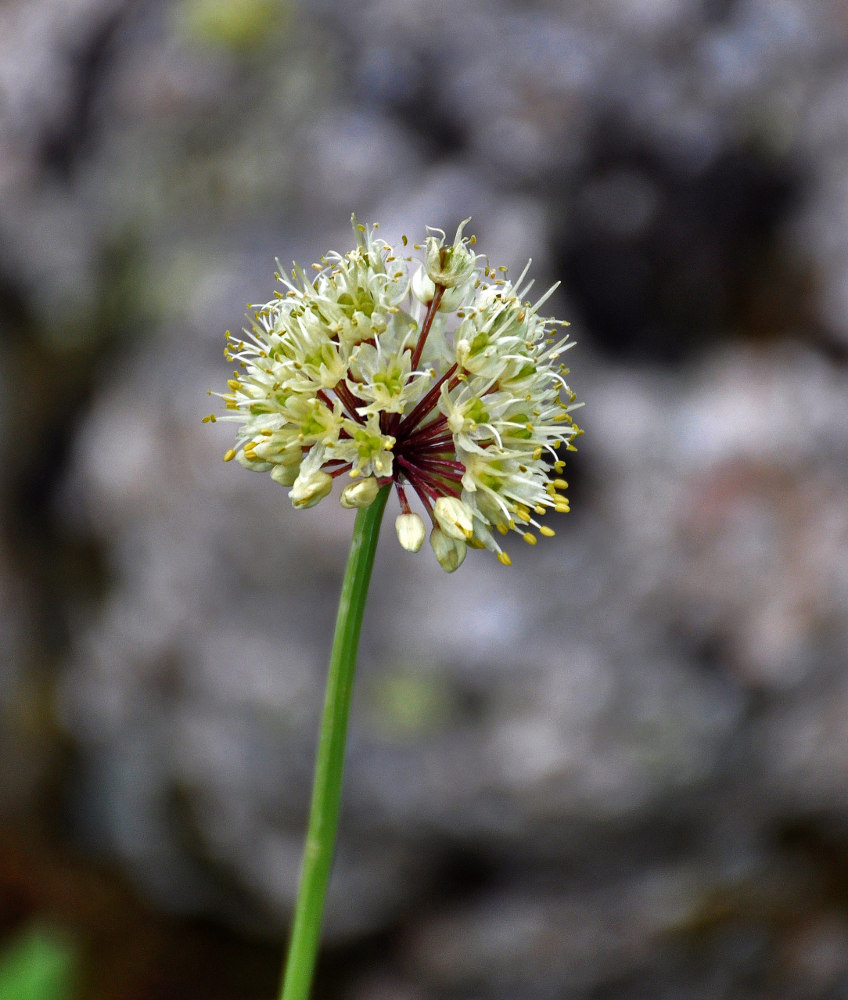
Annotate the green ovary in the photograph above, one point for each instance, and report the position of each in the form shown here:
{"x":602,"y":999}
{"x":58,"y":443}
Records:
{"x":367,"y":445}
{"x":489,"y":475}
{"x":316,"y":423}
{"x":476,"y":412}
{"x":325,"y":355}
{"x":479,"y":343}
{"x":522,"y":433}
{"x":362,"y":302}
{"x":391,"y":380}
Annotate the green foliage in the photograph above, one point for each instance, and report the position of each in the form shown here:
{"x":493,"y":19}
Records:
{"x":410,"y":705}
{"x":38,"y":964}
{"x":239,"y":25}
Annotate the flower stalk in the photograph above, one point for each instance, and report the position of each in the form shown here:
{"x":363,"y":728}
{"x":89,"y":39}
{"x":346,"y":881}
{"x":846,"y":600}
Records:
{"x":327,"y":787}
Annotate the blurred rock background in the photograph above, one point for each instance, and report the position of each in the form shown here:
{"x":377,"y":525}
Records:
{"x":617,"y":770}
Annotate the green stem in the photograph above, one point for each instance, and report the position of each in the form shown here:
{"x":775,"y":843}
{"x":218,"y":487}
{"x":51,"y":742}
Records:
{"x":327,"y":787}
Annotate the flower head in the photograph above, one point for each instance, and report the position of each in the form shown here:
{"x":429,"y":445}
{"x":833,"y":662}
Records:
{"x":438,"y":376}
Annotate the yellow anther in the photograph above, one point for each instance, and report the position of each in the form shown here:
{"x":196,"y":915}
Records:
{"x":504,"y":559}
{"x":562,"y":508}
{"x":234,"y":384}
{"x":560,"y":484}
{"x":502,"y":528}
{"x":537,"y":453}
{"x":538,"y":509}
{"x":546,"y":531}
{"x":209,"y":420}
{"x":529,"y":537}
{"x":229,"y":455}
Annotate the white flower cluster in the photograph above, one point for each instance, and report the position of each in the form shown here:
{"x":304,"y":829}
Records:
{"x":435,"y":375}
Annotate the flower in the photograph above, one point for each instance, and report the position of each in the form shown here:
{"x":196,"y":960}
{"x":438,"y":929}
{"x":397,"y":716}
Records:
{"x":438,"y":376}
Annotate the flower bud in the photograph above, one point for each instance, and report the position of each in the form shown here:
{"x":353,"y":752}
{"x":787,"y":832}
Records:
{"x":449,"y":551}
{"x":422,"y":287}
{"x":360,"y":494}
{"x":449,"y":266}
{"x":425,"y":291}
{"x":410,"y":531}
{"x":308,"y":490}
{"x":454,"y":518}
{"x":285,"y":475}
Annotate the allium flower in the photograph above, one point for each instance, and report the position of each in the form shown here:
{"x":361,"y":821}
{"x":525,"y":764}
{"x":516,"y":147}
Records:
{"x":438,"y":376}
